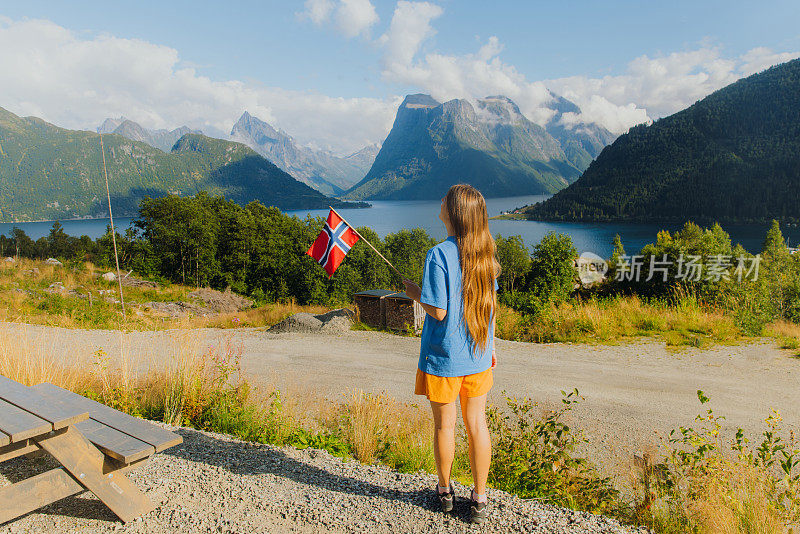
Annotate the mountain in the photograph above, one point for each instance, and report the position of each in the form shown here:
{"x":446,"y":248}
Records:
{"x":733,"y":156}
{"x":491,"y":145}
{"x":582,"y":142}
{"x":319,"y":169}
{"x":161,"y":139}
{"x":47,"y":173}
{"x":363,"y":159}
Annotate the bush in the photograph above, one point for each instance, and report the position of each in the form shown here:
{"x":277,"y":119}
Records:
{"x":533,"y":458}
{"x":701,"y":487}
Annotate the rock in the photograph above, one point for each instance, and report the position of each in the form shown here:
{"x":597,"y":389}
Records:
{"x":129,"y":281}
{"x":10,"y":260}
{"x":56,"y":287}
{"x":336,"y":325}
{"x":341,"y":312}
{"x":221,"y":302}
{"x":53,"y":261}
{"x":332,"y":322}
{"x":109,"y":276}
{"x":299,"y":322}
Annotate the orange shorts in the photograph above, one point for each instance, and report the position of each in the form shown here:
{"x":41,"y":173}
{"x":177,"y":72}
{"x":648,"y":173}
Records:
{"x":447,"y":388}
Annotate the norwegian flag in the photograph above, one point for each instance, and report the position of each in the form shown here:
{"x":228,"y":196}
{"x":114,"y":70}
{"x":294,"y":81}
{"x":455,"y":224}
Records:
{"x":332,"y":243}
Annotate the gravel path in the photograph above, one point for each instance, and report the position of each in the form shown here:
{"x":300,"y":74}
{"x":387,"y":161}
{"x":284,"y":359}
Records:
{"x":213,"y":483}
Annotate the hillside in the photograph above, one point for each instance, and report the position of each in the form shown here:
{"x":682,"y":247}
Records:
{"x":734,"y":156}
{"x":491,"y":145}
{"x":319,"y":169}
{"x":48,"y":173}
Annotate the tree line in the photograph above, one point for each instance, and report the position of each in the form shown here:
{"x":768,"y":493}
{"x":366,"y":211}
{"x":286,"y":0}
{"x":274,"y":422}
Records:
{"x":259,"y":251}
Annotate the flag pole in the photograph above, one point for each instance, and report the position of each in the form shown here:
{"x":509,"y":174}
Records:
{"x":367,"y":242}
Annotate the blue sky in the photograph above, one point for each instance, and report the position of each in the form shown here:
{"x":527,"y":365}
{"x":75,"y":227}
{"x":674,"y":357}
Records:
{"x":590,"y":51}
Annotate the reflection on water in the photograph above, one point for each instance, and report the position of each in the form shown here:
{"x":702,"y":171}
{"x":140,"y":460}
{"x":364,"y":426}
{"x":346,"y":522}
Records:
{"x":390,"y":216}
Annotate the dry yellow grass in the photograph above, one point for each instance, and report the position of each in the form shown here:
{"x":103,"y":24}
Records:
{"x":735,"y":501}
{"x":374,"y":420}
{"x":787,"y":335}
{"x":616,"y":319}
{"x":25,"y":296}
{"x":266,"y":315}
{"x":367,"y":415}
{"x":28,"y":359}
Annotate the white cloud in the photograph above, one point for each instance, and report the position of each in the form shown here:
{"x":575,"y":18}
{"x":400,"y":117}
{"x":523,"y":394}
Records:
{"x":661,"y":85}
{"x":351,"y":17}
{"x":317,"y":11}
{"x":761,"y":58}
{"x":448,"y":76}
{"x":354,"y":17}
{"x":650,"y":87}
{"x":50,"y":72}
{"x":410,"y":27}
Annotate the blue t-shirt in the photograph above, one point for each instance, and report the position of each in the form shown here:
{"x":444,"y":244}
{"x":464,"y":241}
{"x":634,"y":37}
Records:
{"x":445,"y":348}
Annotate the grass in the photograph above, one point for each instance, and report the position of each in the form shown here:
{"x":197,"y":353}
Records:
{"x":787,"y":335}
{"x":696,"y":488}
{"x":709,"y":484}
{"x":615,"y":319}
{"x":89,"y":301}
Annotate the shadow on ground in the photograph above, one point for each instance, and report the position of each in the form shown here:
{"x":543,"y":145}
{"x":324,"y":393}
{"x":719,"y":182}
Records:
{"x":251,"y":459}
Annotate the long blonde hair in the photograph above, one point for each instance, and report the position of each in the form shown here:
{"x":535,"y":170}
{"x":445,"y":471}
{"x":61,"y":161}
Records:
{"x":466,"y":209}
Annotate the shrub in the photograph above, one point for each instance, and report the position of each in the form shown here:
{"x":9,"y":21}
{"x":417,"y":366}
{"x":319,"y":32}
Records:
{"x":702,"y":487}
{"x":533,"y":458}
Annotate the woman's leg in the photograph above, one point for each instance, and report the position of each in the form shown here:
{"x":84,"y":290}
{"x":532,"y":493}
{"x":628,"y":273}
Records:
{"x":444,"y":439}
{"x":473,"y":409}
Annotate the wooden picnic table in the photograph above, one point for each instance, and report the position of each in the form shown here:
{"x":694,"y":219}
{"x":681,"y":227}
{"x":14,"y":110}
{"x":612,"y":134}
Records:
{"x":94,"y":444}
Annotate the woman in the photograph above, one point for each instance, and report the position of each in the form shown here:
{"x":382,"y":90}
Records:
{"x":457,"y":355}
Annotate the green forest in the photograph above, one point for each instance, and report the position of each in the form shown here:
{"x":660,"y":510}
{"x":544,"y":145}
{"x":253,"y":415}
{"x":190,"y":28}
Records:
{"x":732,"y":157}
{"x":49,"y":173}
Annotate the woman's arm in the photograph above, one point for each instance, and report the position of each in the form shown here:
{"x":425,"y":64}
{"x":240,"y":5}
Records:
{"x":494,"y":333}
{"x":415,"y":293}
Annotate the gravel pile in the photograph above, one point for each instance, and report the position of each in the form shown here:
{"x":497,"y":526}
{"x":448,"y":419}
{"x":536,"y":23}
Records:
{"x":221,"y":302}
{"x":332,"y":322}
{"x":213,"y":483}
{"x":203,"y":302}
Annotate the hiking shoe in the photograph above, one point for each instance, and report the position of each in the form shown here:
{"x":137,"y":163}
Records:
{"x":447,"y":499}
{"x":478,"y":511}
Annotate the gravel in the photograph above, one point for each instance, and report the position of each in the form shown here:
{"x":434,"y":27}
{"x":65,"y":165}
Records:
{"x":332,"y":322}
{"x":213,"y":483}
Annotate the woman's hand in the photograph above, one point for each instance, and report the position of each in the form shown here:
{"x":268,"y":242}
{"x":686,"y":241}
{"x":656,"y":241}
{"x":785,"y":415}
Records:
{"x":494,"y":359}
{"x":412,"y":290}
{"x":415,"y":293}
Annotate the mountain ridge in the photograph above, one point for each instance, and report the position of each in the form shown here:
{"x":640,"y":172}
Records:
{"x":733,"y":156}
{"x":490,"y":144}
{"x":161,"y":139}
{"x":319,"y":169}
{"x":50,"y":173}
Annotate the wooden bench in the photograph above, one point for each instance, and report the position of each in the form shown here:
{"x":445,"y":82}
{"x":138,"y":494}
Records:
{"x":94,"y":444}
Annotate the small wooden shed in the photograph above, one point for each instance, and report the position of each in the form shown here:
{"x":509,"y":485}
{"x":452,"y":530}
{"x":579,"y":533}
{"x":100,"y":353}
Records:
{"x":371,"y":307}
{"x":402,"y":312}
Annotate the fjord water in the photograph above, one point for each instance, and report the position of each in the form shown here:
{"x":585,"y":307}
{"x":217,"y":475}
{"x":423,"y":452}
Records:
{"x":390,"y":216}
{"x":386,"y":217}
